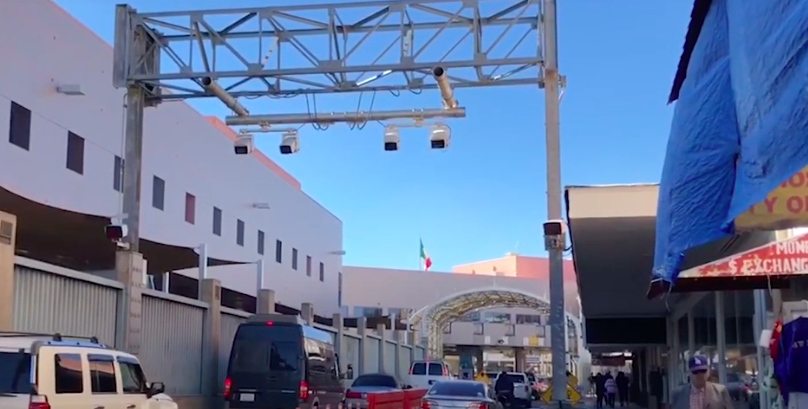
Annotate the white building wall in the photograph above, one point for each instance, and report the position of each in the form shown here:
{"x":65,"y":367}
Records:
{"x":180,"y":147}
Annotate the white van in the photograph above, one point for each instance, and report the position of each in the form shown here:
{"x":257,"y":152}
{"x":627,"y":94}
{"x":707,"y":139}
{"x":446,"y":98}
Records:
{"x":53,"y":372}
{"x":423,"y":374}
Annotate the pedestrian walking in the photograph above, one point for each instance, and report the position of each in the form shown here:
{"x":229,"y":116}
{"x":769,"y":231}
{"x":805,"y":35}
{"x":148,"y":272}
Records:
{"x":600,"y":389}
{"x":622,"y":388}
{"x":611,"y":390}
{"x":700,"y":393}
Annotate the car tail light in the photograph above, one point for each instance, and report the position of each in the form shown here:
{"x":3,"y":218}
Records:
{"x":304,"y":390}
{"x":38,"y":402}
{"x":445,"y":370}
{"x":353,"y":395}
{"x":425,"y":404}
{"x":477,"y":405}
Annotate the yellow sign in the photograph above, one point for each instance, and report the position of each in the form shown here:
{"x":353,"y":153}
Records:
{"x":785,"y":207}
{"x":572,"y":394}
{"x":533,"y":341}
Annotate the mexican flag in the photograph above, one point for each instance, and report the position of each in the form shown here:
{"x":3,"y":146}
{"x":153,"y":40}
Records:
{"x":426,"y":262}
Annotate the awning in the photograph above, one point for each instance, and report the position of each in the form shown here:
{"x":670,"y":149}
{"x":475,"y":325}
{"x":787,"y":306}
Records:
{"x":739,"y":125}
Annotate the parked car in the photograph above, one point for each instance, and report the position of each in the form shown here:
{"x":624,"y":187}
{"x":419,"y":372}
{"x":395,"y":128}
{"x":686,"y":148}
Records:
{"x":521,"y":387}
{"x":279,"y":361}
{"x":40,"y":371}
{"x":451,"y":394}
{"x":423,"y":374}
{"x":357,"y":395}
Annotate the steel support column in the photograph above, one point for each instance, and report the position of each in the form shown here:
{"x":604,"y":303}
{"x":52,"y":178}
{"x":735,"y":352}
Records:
{"x":132,"y":164}
{"x":558,"y":321}
{"x":721,"y":337}
{"x":760,"y":323}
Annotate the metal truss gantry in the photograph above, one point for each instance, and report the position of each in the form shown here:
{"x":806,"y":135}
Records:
{"x":276,"y":52}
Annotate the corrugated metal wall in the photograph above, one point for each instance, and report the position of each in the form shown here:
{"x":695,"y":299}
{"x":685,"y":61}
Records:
{"x":172,"y":340}
{"x":404,"y":357}
{"x":372,"y":345}
{"x":351,"y":353}
{"x":48,"y":303}
{"x":230,"y":321}
{"x":389,"y":357}
{"x":419,"y":353}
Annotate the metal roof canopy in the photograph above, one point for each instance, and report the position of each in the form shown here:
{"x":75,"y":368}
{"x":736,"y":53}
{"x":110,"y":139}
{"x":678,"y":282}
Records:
{"x":433,"y":318}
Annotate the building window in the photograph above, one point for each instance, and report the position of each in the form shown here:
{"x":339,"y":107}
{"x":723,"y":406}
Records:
{"x":294,"y":259}
{"x":217,"y":221}
{"x":260,"y":242}
{"x":278,"y":251}
{"x":117,"y":174}
{"x":497,"y":317}
{"x":308,"y":266}
{"x":534,"y":319}
{"x":75,"y":153}
{"x":190,"y":208}
{"x":368,"y":312}
{"x":19,"y":127}
{"x":473,"y":316}
{"x":158,"y":193}
{"x":240,"y":233}
{"x":322,"y":272}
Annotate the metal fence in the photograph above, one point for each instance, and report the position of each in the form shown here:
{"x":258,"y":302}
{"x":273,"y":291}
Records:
{"x":174,"y":333}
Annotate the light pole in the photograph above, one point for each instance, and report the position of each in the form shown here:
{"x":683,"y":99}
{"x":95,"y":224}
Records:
{"x":558,"y":321}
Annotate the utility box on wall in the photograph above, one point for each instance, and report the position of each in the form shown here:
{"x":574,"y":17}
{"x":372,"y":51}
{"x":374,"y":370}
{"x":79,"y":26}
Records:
{"x":8,"y":233}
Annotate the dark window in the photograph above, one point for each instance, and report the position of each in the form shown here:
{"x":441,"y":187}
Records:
{"x":217,"y":221}
{"x":322,"y":272}
{"x":102,"y":374}
{"x":68,"y":373}
{"x":308,"y":266}
{"x":158,"y":200}
{"x":418,"y":368}
{"x":117,"y":175}
{"x":294,"y":259}
{"x":435,"y":369}
{"x":190,"y":208}
{"x":260,"y":242}
{"x":278,"y":251}
{"x":15,"y":373}
{"x":240,"y":233}
{"x":75,"y":153}
{"x":132,"y":379}
{"x":257,"y":348}
{"x":458,"y":388}
{"x":375,"y":380}
{"x":19,"y":127}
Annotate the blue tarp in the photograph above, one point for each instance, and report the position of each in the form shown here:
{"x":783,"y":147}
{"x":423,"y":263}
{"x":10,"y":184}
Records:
{"x":740,"y":126}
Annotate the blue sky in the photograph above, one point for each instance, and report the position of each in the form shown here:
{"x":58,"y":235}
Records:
{"x":486,"y":195}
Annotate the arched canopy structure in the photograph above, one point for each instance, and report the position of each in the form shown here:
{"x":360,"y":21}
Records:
{"x":433,"y":318}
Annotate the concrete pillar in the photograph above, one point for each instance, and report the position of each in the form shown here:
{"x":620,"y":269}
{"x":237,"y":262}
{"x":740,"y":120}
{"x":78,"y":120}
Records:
{"x":265,"y":304}
{"x":519,"y":356}
{"x":307,"y":312}
{"x":361,"y":329}
{"x":167,"y":282}
{"x":202,"y":251}
{"x":479,"y":363}
{"x":721,"y":337}
{"x":8,"y":235}
{"x":259,"y":276}
{"x":339,"y":346}
{"x":211,"y":294}
{"x":129,"y":270}
{"x":380,"y":328}
{"x":399,"y":367}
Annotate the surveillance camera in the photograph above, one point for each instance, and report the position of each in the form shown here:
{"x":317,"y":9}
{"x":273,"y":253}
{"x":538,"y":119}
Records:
{"x":391,"y":139}
{"x":289,"y":143}
{"x":243,"y":145}
{"x":115,"y":232}
{"x":554,"y":231}
{"x":439,"y":136}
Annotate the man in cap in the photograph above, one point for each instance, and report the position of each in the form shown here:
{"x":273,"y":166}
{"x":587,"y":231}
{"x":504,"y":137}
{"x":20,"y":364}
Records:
{"x":700,"y":393}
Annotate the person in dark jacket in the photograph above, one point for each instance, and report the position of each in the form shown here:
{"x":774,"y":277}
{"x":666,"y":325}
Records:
{"x":504,"y":388}
{"x":600,"y":389}
{"x":622,"y":388}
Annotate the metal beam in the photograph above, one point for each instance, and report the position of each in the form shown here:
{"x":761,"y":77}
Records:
{"x":327,"y":48}
{"x":350,"y":117}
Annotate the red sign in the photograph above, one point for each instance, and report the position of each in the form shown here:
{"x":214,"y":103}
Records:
{"x":787,"y":257}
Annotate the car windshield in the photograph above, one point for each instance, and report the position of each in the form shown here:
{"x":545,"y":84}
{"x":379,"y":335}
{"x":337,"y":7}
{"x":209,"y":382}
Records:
{"x":516,"y":378}
{"x":15,"y":372}
{"x":375,"y":380}
{"x":470,"y":389}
